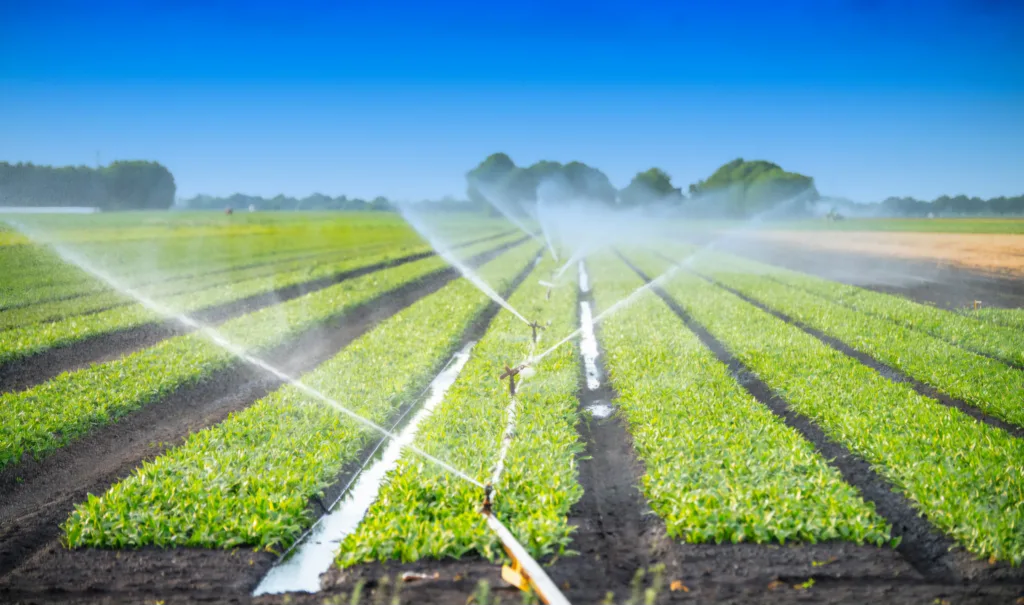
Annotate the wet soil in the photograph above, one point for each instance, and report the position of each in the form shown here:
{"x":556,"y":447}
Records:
{"x":616,"y":536}
{"x":36,"y":496}
{"x":37,"y":368}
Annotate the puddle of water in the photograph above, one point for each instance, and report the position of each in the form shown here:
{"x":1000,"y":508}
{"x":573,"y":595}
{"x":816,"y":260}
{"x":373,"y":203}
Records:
{"x":588,"y":347}
{"x":300,"y":571}
{"x":600,"y":410}
{"x":584,"y":279}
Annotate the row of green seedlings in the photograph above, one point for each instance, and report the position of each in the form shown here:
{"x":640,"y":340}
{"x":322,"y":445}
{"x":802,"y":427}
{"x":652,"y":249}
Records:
{"x":985,"y":383}
{"x":271,"y":272}
{"x":1010,"y":318}
{"x":249,"y":479}
{"x":1001,"y":342}
{"x":160,"y":270}
{"x":50,"y":415}
{"x":34,"y":274}
{"x":967,"y":477}
{"x":421,"y":513}
{"x":28,"y":340}
{"x":719,"y":466}
{"x":276,"y":267}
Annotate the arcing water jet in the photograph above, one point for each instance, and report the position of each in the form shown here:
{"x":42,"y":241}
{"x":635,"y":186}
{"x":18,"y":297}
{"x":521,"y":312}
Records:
{"x":445,"y":252}
{"x":218,"y":339}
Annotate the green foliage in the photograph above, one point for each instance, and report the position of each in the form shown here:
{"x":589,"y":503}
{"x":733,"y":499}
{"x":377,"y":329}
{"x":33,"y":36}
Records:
{"x":741,"y":188}
{"x":497,"y":177}
{"x":26,"y":336}
{"x":29,"y":339}
{"x":966,"y":476}
{"x":249,"y":479}
{"x":1010,"y":318}
{"x":906,"y":344}
{"x":423,"y":513}
{"x":119,"y":186}
{"x":719,"y":466}
{"x":48,"y":416}
{"x":652,"y":185}
{"x":999,"y":341}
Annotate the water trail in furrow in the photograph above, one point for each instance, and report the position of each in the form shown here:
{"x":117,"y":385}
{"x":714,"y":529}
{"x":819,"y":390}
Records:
{"x":300,"y":568}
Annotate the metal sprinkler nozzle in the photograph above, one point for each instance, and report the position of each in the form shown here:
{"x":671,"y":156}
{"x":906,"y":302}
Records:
{"x":511,"y":373}
{"x":536,"y":326}
{"x":486,"y":507}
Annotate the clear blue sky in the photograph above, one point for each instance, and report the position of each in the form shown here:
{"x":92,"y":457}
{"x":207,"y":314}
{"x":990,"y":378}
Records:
{"x":871,"y":97}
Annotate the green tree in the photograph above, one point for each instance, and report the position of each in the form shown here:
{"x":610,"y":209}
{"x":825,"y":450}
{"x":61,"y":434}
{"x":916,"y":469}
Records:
{"x":741,"y":188}
{"x":651,"y":185}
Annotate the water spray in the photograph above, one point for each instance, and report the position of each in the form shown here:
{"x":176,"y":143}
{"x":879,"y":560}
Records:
{"x":506,"y":212}
{"x":536,"y":326}
{"x":218,"y":339}
{"x":446,"y":253}
{"x":544,"y":229}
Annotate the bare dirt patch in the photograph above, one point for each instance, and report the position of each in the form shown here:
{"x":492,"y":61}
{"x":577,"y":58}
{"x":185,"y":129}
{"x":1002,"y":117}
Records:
{"x":1001,"y":254}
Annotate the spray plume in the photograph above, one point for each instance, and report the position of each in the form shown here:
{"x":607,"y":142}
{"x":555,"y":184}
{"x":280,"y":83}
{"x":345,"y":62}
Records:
{"x":504,"y":210}
{"x":445,"y":251}
{"x":218,"y":339}
{"x":606,"y":237}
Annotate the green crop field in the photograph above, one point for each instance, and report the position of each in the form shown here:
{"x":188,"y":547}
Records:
{"x":208,"y":385}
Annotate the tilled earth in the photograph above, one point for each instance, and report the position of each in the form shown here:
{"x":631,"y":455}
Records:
{"x":616,"y":533}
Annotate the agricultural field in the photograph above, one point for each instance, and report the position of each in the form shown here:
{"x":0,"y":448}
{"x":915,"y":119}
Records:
{"x":321,"y":408}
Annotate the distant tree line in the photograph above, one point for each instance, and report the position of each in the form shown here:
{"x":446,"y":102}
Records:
{"x":739,"y":188}
{"x":122,"y":185}
{"x":498,"y":178}
{"x":960,"y":205}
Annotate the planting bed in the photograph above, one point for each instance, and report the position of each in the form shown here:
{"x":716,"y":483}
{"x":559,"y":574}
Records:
{"x":739,"y":432}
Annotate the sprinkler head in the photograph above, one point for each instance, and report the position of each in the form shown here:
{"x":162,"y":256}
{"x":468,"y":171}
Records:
{"x":535,"y":326}
{"x":510,"y":373}
{"x":486,"y":507}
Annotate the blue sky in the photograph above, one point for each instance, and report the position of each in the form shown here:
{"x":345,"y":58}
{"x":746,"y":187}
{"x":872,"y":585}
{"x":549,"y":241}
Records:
{"x":870,"y":97}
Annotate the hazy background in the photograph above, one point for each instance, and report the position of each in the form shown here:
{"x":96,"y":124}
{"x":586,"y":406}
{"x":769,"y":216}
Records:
{"x":871,"y":98}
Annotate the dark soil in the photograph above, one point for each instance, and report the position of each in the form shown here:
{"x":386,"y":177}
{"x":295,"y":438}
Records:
{"x":940,"y":285}
{"x":616,"y":536}
{"x":38,"y":368}
{"x":35,"y":497}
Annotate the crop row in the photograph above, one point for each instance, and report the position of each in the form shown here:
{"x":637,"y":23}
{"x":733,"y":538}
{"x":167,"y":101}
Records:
{"x":422,"y":512}
{"x":50,"y":415}
{"x":720,"y":467}
{"x":22,"y":342}
{"x":34,"y":274}
{"x":985,"y":383}
{"x":280,"y":270}
{"x":49,"y":311}
{"x":965,"y":476}
{"x":1010,"y":318}
{"x":249,"y":479}
{"x":1001,"y":342}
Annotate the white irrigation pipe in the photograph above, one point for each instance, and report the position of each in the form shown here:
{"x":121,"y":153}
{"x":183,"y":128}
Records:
{"x":510,"y":415}
{"x":540,"y":581}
